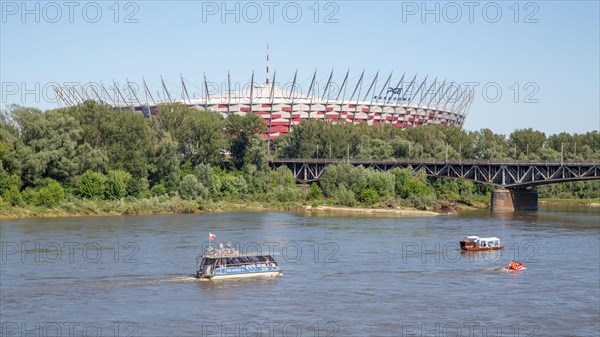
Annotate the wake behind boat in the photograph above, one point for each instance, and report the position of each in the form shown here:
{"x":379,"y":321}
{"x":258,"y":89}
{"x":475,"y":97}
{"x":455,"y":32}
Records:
{"x":226,"y":263}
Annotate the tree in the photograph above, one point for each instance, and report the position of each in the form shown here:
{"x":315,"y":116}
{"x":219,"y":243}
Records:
{"x":124,"y":136}
{"x":401,"y":148}
{"x":201,"y":137}
{"x":376,"y":149}
{"x":527,"y":141}
{"x":52,"y":139}
{"x":166,"y":160}
{"x":241,"y":130}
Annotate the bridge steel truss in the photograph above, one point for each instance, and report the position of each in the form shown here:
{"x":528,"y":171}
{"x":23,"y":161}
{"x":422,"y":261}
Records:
{"x":507,"y":175}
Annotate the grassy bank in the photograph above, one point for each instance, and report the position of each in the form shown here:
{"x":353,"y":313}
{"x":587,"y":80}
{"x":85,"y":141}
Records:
{"x":592,"y":202}
{"x":177,"y":205}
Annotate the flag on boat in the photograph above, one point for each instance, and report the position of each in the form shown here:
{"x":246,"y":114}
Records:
{"x":211,"y":236}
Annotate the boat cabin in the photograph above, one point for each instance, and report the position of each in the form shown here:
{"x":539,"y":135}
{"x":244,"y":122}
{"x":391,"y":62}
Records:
{"x":229,"y":263}
{"x":477,"y":243}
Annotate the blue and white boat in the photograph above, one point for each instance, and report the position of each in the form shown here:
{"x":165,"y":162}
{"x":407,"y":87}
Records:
{"x":225,"y":263}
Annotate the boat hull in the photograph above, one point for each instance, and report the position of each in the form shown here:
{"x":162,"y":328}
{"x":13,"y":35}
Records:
{"x":241,"y":275}
{"x":472,"y":247}
{"x":476,"y":249}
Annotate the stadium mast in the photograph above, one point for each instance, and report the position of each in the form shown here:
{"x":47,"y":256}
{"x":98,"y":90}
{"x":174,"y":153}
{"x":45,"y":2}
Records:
{"x":267,"y":66}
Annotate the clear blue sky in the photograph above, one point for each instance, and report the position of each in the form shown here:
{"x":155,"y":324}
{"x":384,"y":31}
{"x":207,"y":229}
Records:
{"x":553,"y":46}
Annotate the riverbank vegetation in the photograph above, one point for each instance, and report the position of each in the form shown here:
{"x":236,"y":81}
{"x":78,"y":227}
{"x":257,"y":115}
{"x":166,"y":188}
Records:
{"x":91,"y":159}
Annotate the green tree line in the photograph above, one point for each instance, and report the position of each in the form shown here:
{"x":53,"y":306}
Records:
{"x":93,"y":152}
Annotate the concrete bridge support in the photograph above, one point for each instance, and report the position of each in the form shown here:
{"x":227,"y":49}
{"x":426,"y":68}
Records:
{"x":509,"y":200}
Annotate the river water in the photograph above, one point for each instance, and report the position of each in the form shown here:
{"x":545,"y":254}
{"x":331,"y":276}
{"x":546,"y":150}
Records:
{"x":344,"y":275}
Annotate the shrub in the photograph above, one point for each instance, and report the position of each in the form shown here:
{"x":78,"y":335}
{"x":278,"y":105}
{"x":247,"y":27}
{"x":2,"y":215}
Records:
{"x":158,"y":190}
{"x":8,"y":181}
{"x":422,"y":201}
{"x":206,"y":176}
{"x":190,"y":188}
{"x":315,"y":192}
{"x":233,"y":185}
{"x":367,"y":196}
{"x":13,"y":196}
{"x":29,"y":196}
{"x":345,"y":196}
{"x":90,"y":185}
{"x":137,"y":187}
{"x":284,"y":194}
{"x":408,"y":184}
{"x":115,"y":186}
{"x":51,"y":194}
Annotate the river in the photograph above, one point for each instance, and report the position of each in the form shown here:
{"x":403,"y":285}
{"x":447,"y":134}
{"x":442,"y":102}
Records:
{"x":344,"y":275}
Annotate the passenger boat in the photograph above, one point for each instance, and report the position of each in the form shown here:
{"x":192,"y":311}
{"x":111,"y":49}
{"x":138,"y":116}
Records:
{"x":226,"y":263}
{"x":515,"y":265}
{"x":475,"y":243}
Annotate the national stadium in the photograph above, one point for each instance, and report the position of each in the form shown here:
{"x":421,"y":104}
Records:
{"x":401,"y":101}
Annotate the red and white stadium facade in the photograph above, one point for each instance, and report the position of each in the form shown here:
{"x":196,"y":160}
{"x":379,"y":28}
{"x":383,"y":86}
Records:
{"x":408,"y":104}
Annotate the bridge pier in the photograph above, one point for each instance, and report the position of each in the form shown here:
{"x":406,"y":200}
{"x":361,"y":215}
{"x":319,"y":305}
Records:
{"x":509,"y":200}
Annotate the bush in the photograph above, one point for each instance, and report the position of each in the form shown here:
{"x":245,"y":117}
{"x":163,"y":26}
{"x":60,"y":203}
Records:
{"x":13,"y":196}
{"x":137,"y":187}
{"x":158,"y":190}
{"x":422,"y":201}
{"x":345,"y":197}
{"x":382,"y":183}
{"x":206,"y":176}
{"x":8,"y":181}
{"x":51,"y":194}
{"x":90,"y":185}
{"x":367,"y":196}
{"x":408,"y":184}
{"x":315,"y":192}
{"x":233,"y":185}
{"x":115,"y":186}
{"x":284,"y":194}
{"x":29,"y":196}
{"x":337,"y":175}
{"x":190,"y":188}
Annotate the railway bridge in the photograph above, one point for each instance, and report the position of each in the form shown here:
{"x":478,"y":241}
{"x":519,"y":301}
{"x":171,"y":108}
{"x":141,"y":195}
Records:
{"x":516,"y":181}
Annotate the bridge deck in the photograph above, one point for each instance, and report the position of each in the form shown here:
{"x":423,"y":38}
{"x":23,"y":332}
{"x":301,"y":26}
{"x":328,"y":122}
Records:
{"x":503,"y":174}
